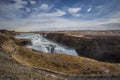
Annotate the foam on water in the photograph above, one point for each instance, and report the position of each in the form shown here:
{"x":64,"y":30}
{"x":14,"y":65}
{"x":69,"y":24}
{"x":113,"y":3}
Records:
{"x":42,"y":44}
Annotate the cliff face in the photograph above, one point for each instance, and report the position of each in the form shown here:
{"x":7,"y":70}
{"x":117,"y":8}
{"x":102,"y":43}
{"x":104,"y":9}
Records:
{"x":103,"y":48}
{"x":65,"y":39}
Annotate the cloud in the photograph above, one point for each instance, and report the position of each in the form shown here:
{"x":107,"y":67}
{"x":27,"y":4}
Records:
{"x":59,"y":23}
{"x":32,"y":1}
{"x":11,"y":11}
{"x":76,"y":15}
{"x":99,"y":6}
{"x":89,"y":9}
{"x":57,"y":13}
{"x":74,"y":10}
{"x":112,"y":25}
{"x":19,"y":4}
{"x":28,"y":9}
{"x":43,"y":6}
{"x":54,"y":24}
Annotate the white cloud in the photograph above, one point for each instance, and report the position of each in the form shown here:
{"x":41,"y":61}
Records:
{"x":43,"y":6}
{"x":89,"y":9}
{"x":57,"y":23}
{"x":12,"y":11}
{"x":99,"y":6}
{"x":28,"y":9}
{"x":74,"y":10}
{"x":32,"y":2}
{"x":20,"y":4}
{"x":36,"y":9}
{"x":58,"y":13}
{"x":76,"y":15}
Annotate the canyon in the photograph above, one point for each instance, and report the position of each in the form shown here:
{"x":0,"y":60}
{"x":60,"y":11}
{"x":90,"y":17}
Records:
{"x":20,"y":63}
{"x":103,"y":47}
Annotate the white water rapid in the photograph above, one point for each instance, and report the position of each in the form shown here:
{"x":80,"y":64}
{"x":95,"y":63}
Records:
{"x":40,"y":43}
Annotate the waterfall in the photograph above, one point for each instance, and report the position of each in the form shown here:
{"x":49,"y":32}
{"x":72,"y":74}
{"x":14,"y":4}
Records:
{"x":42,"y":44}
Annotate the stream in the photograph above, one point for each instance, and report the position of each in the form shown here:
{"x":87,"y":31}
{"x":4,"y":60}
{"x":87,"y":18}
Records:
{"x":42,"y":44}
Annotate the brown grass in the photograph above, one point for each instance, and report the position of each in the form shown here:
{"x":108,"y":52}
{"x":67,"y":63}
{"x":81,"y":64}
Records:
{"x":63,"y":63}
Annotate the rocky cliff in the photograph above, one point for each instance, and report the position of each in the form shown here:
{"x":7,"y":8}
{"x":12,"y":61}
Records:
{"x":103,"y":48}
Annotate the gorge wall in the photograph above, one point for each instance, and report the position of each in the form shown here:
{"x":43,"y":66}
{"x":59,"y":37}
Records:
{"x":103,"y":48}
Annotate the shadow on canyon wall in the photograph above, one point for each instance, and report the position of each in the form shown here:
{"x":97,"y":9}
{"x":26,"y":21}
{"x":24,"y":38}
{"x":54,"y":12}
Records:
{"x":102,"y":48}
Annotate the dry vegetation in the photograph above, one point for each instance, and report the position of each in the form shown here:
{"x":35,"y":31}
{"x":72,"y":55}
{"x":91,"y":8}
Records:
{"x":64,"y":63}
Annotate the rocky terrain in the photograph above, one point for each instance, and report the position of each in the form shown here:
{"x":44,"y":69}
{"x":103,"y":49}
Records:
{"x":20,"y":63}
{"x":100,"y":45}
{"x":10,"y":69}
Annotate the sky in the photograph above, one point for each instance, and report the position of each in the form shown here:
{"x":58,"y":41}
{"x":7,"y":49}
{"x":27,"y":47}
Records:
{"x":51,"y":15}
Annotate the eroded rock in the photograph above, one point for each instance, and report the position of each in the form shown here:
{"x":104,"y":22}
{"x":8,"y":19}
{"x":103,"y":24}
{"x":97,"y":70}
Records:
{"x":23,"y":42}
{"x":103,"y":48}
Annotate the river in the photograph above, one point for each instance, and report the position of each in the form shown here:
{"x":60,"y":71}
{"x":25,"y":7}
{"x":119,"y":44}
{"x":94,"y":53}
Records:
{"x":42,"y":44}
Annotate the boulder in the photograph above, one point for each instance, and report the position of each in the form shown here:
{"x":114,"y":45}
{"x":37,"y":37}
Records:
{"x":23,"y":42}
